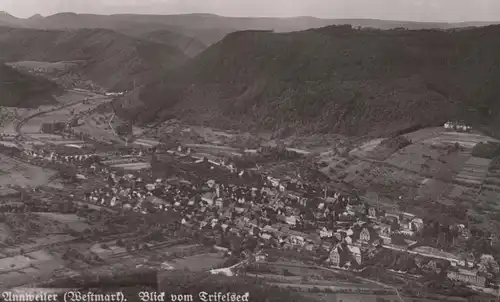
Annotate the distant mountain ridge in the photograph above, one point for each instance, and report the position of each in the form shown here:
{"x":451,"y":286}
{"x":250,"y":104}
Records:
{"x":210,"y":28}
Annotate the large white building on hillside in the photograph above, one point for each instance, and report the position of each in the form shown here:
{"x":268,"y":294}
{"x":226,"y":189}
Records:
{"x":461,"y":127}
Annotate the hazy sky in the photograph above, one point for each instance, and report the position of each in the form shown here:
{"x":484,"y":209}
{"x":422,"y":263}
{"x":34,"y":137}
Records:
{"x":415,"y":10}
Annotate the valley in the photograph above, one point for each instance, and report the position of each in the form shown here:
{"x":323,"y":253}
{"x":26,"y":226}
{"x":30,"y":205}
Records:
{"x":326,"y":161}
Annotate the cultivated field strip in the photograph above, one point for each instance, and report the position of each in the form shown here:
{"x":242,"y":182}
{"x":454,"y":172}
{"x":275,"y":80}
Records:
{"x":150,"y":248}
{"x":459,"y":193}
{"x":109,"y":237}
{"x":133,"y":166}
{"x":474,"y":171}
{"x":492,"y":181}
{"x":146,"y":142}
{"x":467,"y":140}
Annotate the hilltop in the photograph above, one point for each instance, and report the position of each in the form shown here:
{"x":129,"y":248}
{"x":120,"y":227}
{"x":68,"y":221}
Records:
{"x":210,"y":28}
{"x":333,"y":80}
{"x":21,"y":90}
{"x":111,"y":59}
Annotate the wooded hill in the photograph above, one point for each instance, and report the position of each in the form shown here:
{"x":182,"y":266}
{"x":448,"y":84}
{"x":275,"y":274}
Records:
{"x":333,"y":79}
{"x":111,"y":59}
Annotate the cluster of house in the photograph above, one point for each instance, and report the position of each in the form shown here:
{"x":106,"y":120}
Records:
{"x":279,"y":214}
{"x":52,"y":156}
{"x":282,"y":214}
{"x":484,"y":270}
{"x":457,"y":126}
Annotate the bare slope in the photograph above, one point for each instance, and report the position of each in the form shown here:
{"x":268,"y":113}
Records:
{"x":112,"y":59}
{"x":334,"y":79}
{"x":21,"y":90}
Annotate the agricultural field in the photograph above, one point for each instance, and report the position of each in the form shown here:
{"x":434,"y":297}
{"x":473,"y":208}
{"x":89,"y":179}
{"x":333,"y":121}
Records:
{"x":66,"y":142}
{"x":73,"y":96}
{"x":72,"y":221}
{"x":214,"y":136}
{"x":44,"y":239}
{"x":296,"y":274}
{"x":23,"y":174}
{"x":32,"y":126}
{"x":432,"y":189}
{"x":433,"y":168}
{"x":367,"y":175}
{"x":332,"y":163}
{"x":424,"y":134}
{"x":5,"y":232}
{"x":43,"y":66}
{"x":97,"y":126}
{"x":146,"y":142}
{"x":170,"y":255}
{"x":45,"y":136}
{"x":26,"y":227}
{"x":440,"y":162}
{"x":467,"y":140}
{"x":115,"y":250}
{"x":388,"y":147}
{"x":108,"y":250}
{"x":27,"y":268}
{"x":31,"y":235}
{"x":474,"y":171}
{"x":459,"y":195}
{"x":366,"y":148}
{"x":9,"y":144}
{"x":9,"y":117}
{"x":201,"y":262}
{"x":392,"y":182}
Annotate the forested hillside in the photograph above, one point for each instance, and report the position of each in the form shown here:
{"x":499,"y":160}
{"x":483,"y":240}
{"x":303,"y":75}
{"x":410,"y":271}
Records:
{"x":333,"y":79}
{"x":112,"y":59}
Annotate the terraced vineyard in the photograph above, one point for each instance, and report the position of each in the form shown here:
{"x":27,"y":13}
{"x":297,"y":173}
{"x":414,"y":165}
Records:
{"x":474,"y":171}
{"x":492,"y":180}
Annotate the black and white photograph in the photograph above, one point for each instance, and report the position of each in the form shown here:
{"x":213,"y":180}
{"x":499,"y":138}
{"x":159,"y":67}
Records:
{"x":249,"y":151}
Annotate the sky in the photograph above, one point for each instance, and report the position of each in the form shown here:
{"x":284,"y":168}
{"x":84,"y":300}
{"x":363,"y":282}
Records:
{"x":410,"y":10}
